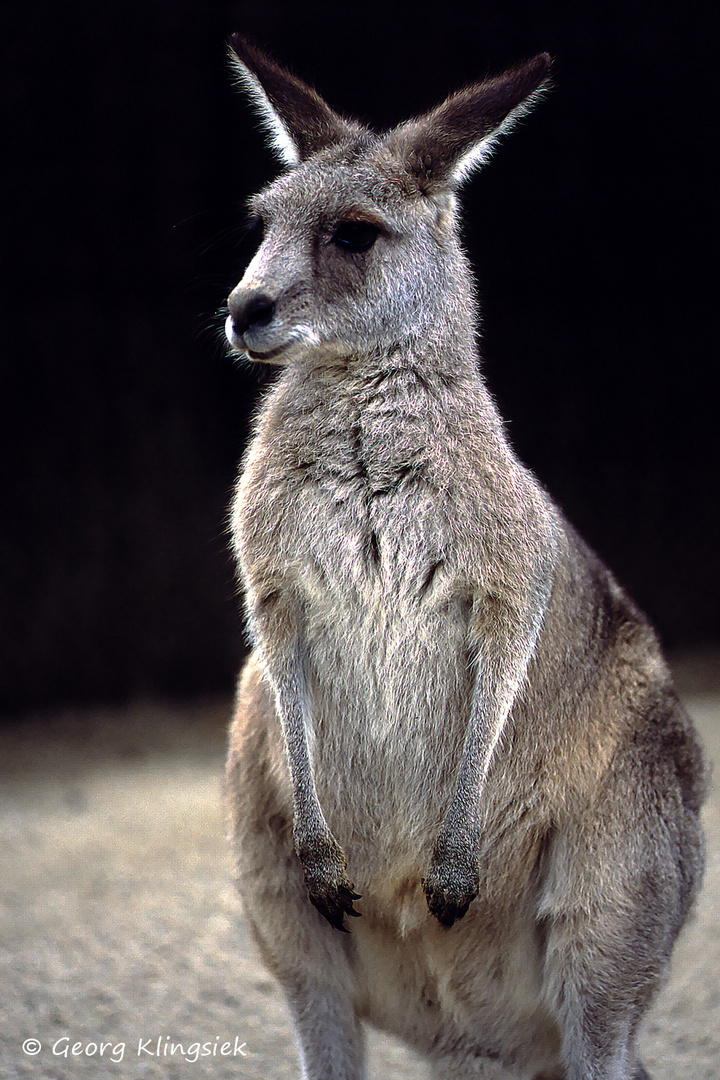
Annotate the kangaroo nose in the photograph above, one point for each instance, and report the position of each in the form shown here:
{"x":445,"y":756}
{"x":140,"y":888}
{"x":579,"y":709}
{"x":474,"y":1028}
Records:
{"x":249,"y":311}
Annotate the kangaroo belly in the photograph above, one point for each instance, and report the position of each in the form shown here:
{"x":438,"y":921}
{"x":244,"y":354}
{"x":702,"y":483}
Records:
{"x":479,"y":984}
{"x":390,"y":686}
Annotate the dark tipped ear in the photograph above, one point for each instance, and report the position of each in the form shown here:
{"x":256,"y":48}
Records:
{"x":443,"y":147}
{"x":297,"y":119}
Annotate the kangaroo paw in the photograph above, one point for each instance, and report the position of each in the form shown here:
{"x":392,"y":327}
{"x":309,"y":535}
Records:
{"x":329,"y":888}
{"x":450,"y":887}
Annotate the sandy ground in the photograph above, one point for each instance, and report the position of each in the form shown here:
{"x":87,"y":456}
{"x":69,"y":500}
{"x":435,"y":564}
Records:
{"x":121,"y":935}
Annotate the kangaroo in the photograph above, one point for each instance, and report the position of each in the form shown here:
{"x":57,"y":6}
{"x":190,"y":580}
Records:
{"x":464,"y":796}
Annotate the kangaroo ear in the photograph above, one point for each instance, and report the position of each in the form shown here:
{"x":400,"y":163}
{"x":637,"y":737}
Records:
{"x":296,"y":118}
{"x":443,"y":147}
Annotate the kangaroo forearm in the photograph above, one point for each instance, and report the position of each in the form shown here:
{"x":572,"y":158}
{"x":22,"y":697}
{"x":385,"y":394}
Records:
{"x":323,"y":860}
{"x":453,"y":878}
{"x":505,"y":642}
{"x":492,"y":702}
{"x":291,"y":700}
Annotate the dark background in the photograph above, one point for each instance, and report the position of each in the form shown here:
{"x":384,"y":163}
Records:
{"x":127,"y":160}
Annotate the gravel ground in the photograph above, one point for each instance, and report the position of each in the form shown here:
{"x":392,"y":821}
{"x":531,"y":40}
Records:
{"x":121,"y":935}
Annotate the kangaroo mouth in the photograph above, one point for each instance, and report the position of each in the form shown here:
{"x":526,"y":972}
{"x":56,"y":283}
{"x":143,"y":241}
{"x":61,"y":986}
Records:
{"x":238,"y":342}
{"x":266,"y":356}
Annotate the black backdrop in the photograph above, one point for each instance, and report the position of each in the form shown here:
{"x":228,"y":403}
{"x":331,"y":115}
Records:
{"x":128,"y":157}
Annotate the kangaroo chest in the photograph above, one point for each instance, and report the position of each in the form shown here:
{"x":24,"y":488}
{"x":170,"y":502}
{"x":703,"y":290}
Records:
{"x":349,"y":492}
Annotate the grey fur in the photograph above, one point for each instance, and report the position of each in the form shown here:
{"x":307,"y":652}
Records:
{"x":451,"y":705}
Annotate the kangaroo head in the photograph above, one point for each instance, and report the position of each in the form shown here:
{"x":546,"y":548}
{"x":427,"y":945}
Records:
{"x":359,"y":248}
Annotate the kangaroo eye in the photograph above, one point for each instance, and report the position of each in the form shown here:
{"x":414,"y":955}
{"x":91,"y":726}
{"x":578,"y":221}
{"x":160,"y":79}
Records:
{"x":355,"y":236}
{"x":254,"y":229}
